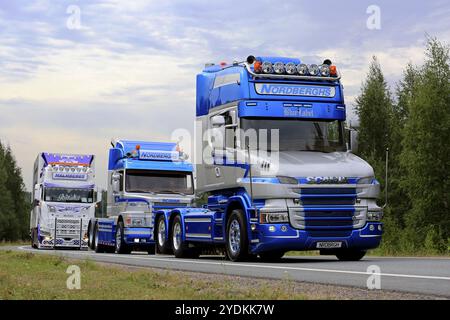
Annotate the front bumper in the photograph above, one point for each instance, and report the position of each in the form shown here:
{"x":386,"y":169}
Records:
{"x":62,"y":243}
{"x":283,"y":237}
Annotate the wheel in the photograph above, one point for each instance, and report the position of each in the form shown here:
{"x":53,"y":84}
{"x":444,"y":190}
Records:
{"x":91,"y":239}
{"x":180,"y":248}
{"x":121,"y":246}
{"x":34,"y":238}
{"x":97,"y":247}
{"x":271,"y":256}
{"x":162,"y":241}
{"x":236,"y":240}
{"x":351,"y":255}
{"x":151,"y":250}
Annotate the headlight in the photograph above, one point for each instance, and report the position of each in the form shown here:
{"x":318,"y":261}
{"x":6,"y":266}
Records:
{"x":51,"y":209}
{"x":278,"y":67}
{"x":324,"y":70}
{"x":313,"y":69}
{"x":374,"y":215}
{"x":267,"y":67}
{"x":287,"y":180}
{"x":274,"y":215}
{"x":302,"y":69}
{"x":290,"y":68}
{"x":365,"y":180}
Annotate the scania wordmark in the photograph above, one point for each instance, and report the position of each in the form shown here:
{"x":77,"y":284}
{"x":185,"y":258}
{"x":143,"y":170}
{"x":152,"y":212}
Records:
{"x":276,"y":164}
{"x":142,"y":177}
{"x":63,"y":200}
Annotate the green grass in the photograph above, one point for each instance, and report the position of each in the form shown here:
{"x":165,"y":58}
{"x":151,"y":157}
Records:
{"x":37,"y":276}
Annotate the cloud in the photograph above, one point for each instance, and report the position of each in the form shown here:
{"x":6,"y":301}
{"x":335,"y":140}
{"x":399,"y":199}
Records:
{"x":129,"y":71}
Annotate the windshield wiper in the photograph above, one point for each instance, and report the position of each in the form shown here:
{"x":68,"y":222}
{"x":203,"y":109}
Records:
{"x":141,"y":191}
{"x":171,"y":192}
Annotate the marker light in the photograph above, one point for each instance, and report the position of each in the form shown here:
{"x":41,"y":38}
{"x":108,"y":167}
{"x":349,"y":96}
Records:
{"x":278,"y":67}
{"x":290,"y":68}
{"x":313,"y":69}
{"x":138,"y":146}
{"x":333,"y":71}
{"x":267,"y":67}
{"x":302,"y":69}
{"x":85,"y":169}
{"x":257,"y":66}
{"x":324,"y":70}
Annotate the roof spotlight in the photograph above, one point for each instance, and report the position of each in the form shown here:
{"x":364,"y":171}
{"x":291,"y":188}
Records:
{"x":267,"y":67}
{"x":302,"y":69}
{"x":324,"y":70}
{"x":278,"y":67}
{"x":290,"y":68}
{"x":313,"y":69}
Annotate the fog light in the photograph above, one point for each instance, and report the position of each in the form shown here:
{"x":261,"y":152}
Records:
{"x":379,"y":227}
{"x":372,"y":227}
{"x":253,"y":227}
{"x":136,"y":240}
{"x":272,"y":229}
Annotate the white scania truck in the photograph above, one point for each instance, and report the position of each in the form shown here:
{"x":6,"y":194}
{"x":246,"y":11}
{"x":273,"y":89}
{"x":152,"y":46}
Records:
{"x":64,"y":200}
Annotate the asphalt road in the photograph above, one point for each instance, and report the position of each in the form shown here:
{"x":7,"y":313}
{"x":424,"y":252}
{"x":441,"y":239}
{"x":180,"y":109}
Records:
{"x":430,"y":276}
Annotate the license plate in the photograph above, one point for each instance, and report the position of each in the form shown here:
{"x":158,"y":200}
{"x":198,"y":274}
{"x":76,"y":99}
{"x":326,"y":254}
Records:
{"x":328,"y":245}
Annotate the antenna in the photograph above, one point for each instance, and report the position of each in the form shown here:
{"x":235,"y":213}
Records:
{"x":386,"y":179}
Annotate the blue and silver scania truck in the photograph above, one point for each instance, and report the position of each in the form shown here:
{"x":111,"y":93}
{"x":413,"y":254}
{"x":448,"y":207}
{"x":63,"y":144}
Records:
{"x":275,"y":160}
{"x":142,"y":177}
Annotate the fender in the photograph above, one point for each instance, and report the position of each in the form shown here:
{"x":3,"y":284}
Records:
{"x":243,"y":200}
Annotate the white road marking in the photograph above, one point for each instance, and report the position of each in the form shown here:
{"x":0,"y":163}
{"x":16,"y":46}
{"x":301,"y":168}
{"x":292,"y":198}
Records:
{"x":246,"y":265}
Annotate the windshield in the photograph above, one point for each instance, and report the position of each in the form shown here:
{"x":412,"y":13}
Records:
{"x":69,"y":195}
{"x":300,"y":134}
{"x":158,"y":182}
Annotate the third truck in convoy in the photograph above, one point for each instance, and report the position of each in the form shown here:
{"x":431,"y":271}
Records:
{"x":64,"y":200}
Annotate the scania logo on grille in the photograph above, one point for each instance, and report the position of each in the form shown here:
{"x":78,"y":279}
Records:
{"x":327,"y":180}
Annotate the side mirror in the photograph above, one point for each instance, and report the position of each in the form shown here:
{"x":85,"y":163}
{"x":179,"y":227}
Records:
{"x":98,"y":195}
{"x":116,"y":182}
{"x":37,"y":192}
{"x":353,"y":141}
{"x":217,"y":121}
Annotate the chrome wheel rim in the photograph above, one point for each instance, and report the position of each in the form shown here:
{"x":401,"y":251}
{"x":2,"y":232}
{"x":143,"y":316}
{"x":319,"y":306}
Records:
{"x":234,"y":237}
{"x":161,"y":232}
{"x":118,"y":238}
{"x":176,"y":237}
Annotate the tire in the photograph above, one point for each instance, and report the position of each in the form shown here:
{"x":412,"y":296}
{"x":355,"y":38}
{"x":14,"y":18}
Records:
{"x":98,"y":248}
{"x":151,"y":250}
{"x":271,"y":256}
{"x":91,"y":238}
{"x":121,"y":246}
{"x":236,"y":237}
{"x":163,"y":243}
{"x":180,"y":248}
{"x":351,"y":255}
{"x":34,"y":238}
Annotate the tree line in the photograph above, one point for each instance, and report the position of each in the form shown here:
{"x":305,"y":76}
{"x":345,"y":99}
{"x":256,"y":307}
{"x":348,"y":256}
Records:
{"x":413,"y":123}
{"x":14,"y":200}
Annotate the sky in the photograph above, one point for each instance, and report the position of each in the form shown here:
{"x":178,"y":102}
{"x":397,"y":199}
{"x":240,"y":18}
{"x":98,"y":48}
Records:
{"x":76,"y":73}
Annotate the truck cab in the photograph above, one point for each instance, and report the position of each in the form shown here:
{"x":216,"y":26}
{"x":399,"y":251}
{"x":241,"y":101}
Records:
{"x":276,"y":161}
{"x":64,"y":200}
{"x":142,"y":177}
